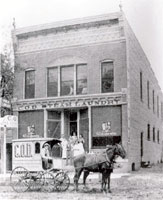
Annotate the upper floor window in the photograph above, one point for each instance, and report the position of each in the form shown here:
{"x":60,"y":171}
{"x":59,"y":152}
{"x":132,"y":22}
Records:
{"x":81,"y":86}
{"x":141,"y":86}
{"x":158,"y":136}
{"x":148,"y":131}
{"x":148,"y":96}
{"x":67,"y":80}
{"x":162,"y":111}
{"x":107,"y":73}
{"x":153,"y":134}
{"x":52,"y":82}
{"x":153,"y":94}
{"x":158,"y":106}
{"x":29,"y":84}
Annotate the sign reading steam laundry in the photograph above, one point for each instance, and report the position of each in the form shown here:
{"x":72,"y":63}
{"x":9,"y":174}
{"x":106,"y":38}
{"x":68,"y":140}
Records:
{"x":106,"y":130}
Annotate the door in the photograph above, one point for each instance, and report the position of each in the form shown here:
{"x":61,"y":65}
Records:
{"x":8,"y":157}
{"x":141,"y":146}
{"x":84,"y":127}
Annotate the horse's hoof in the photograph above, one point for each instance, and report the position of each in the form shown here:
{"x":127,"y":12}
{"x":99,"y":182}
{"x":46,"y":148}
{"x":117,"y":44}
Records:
{"x":86,"y":189}
{"x":109,"y":191}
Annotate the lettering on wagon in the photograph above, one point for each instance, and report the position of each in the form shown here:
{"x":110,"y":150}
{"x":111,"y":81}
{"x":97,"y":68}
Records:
{"x":22,"y":150}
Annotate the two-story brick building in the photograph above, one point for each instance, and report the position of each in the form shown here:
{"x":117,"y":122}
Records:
{"x":89,"y":76}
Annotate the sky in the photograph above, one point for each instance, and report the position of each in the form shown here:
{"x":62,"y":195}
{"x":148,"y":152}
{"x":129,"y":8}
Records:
{"x":144,"y":16}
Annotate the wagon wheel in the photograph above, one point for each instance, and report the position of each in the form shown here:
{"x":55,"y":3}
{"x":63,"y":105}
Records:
{"x":20,"y":179}
{"x":36,"y":181}
{"x":62,"y":181}
{"x":47,"y":182}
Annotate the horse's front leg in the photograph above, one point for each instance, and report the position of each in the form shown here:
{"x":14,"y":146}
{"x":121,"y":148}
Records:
{"x":108,"y":190}
{"x":76,"y":180}
{"x":85,"y":175}
{"x":103,"y":183}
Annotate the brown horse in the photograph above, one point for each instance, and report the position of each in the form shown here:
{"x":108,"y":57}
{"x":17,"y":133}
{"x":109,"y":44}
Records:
{"x":102,"y":162}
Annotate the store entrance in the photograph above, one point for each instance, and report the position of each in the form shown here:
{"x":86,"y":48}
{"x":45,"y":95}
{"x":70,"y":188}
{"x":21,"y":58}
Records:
{"x":76,"y":123}
{"x":73,"y":123}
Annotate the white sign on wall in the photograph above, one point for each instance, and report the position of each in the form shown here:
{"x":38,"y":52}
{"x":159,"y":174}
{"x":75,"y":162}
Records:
{"x":10,"y":121}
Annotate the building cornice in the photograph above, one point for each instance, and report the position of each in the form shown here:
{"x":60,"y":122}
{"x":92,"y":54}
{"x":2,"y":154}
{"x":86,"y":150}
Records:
{"x":66,"y":25}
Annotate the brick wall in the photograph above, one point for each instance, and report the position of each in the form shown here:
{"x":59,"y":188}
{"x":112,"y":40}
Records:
{"x":92,"y":55}
{"x":139,"y":113}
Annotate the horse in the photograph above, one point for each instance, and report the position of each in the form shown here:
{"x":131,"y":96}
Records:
{"x":102,"y":162}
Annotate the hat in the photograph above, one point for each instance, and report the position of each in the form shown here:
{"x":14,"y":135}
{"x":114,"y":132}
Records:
{"x":46,"y":144}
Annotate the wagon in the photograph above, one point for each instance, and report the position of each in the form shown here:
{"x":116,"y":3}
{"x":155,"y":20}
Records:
{"x":30,"y":171}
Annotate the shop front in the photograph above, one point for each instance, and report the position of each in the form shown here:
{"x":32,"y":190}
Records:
{"x":98,"y":119}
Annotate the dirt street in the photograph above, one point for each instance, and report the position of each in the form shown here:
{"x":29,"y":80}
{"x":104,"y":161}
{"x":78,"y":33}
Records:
{"x":146,"y":184}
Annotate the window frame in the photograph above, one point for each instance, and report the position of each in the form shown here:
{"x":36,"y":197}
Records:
{"x":25,"y":85}
{"x":148,"y":132}
{"x":59,"y":78}
{"x":141,"y":86}
{"x":106,"y":61}
{"x":148,"y":94}
{"x":47,"y":80}
{"x":154,"y":134}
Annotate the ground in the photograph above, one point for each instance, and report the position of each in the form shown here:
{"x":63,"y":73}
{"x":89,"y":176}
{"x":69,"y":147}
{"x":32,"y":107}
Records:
{"x":145,"y":184}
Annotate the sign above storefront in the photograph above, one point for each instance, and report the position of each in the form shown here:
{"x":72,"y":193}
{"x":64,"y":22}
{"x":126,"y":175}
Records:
{"x":71,"y":103}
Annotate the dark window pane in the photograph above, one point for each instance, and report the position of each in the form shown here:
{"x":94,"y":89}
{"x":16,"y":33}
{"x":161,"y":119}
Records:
{"x":141,"y":86}
{"x":54,"y":129}
{"x":67,"y":80}
{"x":107,"y":77}
{"x":73,"y":116}
{"x":52,"y":84}
{"x":29,"y":84}
{"x":37,"y":147}
{"x":82,"y":79}
{"x":28,"y":119}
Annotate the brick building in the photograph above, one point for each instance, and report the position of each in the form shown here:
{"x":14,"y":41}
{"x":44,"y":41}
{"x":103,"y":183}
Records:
{"x":89,"y":76}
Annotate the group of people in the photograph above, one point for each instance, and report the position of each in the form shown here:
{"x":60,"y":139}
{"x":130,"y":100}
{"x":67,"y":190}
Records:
{"x":73,"y":146}
{"x":70,"y":148}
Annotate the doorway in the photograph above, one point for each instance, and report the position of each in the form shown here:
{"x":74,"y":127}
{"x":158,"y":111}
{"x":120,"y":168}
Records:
{"x":141,"y":146}
{"x":73,"y":123}
{"x":76,"y":121}
{"x":8,"y":157}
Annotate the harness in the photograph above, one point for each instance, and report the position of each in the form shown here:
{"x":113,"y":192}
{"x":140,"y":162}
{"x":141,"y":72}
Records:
{"x":107,"y":161}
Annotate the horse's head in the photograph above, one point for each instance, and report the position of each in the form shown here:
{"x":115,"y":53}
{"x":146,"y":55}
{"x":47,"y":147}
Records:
{"x":119,"y":150}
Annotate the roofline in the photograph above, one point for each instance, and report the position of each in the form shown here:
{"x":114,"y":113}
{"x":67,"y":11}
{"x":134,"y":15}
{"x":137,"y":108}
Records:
{"x":70,"y":22}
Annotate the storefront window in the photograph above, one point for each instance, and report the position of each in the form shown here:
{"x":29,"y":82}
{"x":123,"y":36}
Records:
{"x":52,"y":84}
{"x":106,"y":126}
{"x":107,"y":77}
{"x":54,"y":124}
{"x":82,"y":79}
{"x":29,"y":84}
{"x":67,"y":80}
{"x":31,"y":124}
